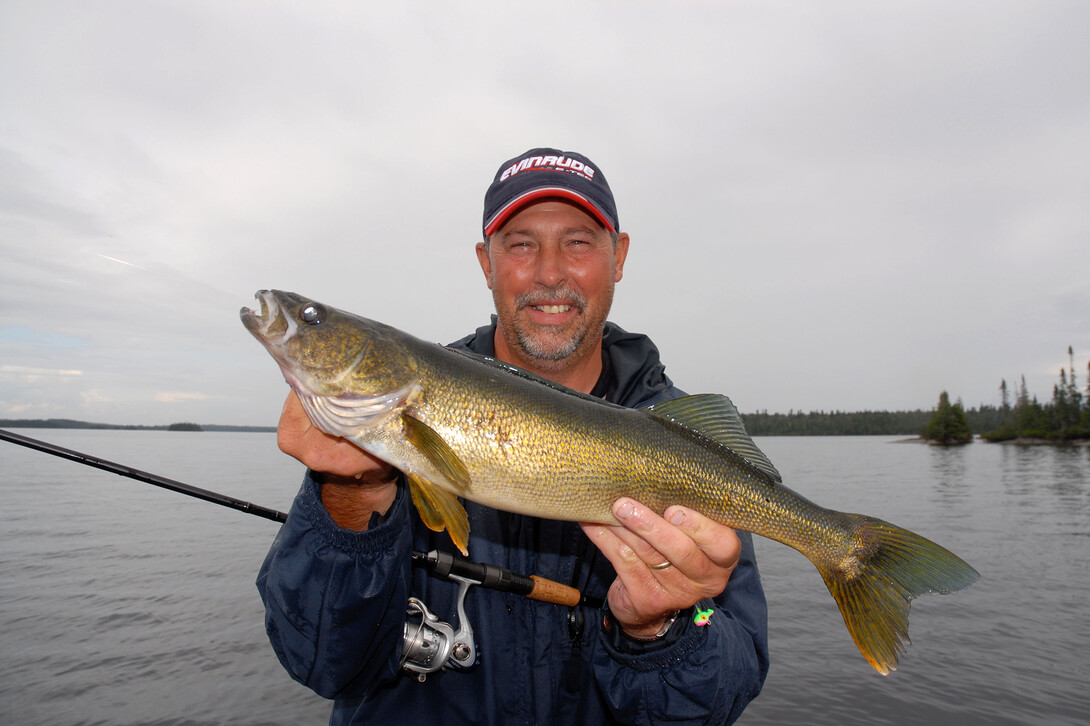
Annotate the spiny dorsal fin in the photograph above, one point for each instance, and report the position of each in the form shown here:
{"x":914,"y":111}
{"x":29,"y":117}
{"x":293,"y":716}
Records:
{"x":715,"y":417}
{"x":437,"y":451}
{"x":439,"y":510}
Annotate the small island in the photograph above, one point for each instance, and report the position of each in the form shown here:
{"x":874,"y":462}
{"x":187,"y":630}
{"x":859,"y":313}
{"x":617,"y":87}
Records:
{"x":184,"y":427}
{"x":948,"y":425}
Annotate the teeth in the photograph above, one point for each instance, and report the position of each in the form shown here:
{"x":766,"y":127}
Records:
{"x":553,"y":309}
{"x":266,"y":315}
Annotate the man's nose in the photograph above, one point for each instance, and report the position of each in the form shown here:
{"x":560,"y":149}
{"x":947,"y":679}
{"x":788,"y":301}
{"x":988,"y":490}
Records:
{"x":550,"y":266}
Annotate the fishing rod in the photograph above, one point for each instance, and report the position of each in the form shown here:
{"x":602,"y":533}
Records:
{"x":441,"y":564}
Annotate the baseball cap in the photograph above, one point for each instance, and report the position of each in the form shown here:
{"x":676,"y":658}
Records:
{"x":543,"y":173}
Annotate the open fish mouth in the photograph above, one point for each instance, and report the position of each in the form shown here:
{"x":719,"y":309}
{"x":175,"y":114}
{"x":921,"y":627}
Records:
{"x":257,"y":320}
{"x":268,"y":322}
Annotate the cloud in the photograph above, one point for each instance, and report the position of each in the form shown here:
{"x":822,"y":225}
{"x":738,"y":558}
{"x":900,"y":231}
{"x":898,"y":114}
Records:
{"x":22,"y":335}
{"x":36,"y":373}
{"x":94,"y":397}
{"x":16,"y":408}
{"x":174,"y":397}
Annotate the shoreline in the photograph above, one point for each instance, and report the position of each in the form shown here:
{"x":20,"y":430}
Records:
{"x":1010,"y":442}
{"x":1043,"y":442}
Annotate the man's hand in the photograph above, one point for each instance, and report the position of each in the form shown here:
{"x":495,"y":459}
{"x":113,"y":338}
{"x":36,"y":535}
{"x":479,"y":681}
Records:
{"x":298,"y":437}
{"x":663,"y":564}
{"x":354,"y":483}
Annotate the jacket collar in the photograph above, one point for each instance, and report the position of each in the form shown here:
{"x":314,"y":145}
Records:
{"x":632,"y":372}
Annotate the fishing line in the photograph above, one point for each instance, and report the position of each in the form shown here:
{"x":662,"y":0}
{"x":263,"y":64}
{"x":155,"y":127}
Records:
{"x":440,"y":564}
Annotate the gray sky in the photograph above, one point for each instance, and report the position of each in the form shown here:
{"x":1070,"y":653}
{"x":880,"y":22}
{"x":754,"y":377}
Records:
{"x":834,"y":205}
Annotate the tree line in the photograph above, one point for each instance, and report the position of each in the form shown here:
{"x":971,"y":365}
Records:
{"x":1018,"y":415}
{"x":1065,"y":418}
{"x":859,"y":423}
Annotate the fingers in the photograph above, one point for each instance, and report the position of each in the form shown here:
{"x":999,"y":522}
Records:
{"x":663,"y":563}
{"x":653,"y":539}
{"x":718,"y":542}
{"x":687,"y":539}
{"x":637,"y":597}
{"x":319,"y":451}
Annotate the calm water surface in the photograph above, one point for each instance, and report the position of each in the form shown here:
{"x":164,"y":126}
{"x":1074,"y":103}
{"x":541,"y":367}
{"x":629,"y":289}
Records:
{"x":121,"y":603}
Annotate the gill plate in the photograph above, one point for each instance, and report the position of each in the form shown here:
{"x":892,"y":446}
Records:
{"x":345,"y":415}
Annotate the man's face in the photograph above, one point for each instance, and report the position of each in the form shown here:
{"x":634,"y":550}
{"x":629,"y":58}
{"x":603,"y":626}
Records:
{"x":551,"y":269}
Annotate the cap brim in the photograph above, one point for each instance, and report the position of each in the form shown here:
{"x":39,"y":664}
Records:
{"x":509,"y":209}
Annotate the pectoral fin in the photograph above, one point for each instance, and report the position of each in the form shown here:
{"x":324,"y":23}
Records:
{"x":440,"y":510}
{"x":437,"y":451}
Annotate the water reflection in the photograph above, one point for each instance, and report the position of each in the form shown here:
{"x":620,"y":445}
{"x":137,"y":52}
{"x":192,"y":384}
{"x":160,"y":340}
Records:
{"x":1062,"y":470}
{"x":948,"y":472}
{"x":948,"y":463}
{"x":1072,"y":465}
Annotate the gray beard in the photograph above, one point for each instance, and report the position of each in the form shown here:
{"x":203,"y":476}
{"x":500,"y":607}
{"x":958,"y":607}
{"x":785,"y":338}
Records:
{"x":551,"y":356}
{"x":538,"y":352}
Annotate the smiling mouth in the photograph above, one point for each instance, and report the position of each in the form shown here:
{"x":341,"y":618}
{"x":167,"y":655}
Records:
{"x":552,"y":309}
{"x":555,"y":301}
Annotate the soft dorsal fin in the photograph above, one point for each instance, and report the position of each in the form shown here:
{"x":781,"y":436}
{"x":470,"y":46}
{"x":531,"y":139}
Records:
{"x":715,"y":417}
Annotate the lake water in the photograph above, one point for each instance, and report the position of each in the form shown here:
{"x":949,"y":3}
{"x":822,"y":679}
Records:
{"x":122,"y":603}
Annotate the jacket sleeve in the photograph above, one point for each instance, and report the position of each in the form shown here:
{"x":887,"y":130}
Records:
{"x":707,"y":675}
{"x":334,"y":598}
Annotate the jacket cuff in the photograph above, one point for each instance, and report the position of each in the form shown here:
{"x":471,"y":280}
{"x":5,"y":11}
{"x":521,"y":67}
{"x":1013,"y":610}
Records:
{"x":380,"y":535}
{"x":682,"y":638}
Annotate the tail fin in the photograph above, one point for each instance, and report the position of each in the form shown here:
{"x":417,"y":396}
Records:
{"x":888,"y":567}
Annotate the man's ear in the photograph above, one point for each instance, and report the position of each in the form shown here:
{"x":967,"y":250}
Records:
{"x":485,"y":262}
{"x":619,"y":254}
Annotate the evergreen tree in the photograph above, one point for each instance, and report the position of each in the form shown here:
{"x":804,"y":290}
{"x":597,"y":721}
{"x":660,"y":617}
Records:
{"x":1059,"y":418}
{"x":1027,"y":413}
{"x":948,"y":425}
{"x":1074,"y":395}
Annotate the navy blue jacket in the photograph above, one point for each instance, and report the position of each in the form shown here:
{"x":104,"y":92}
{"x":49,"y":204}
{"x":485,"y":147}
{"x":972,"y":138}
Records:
{"x":335,"y":607}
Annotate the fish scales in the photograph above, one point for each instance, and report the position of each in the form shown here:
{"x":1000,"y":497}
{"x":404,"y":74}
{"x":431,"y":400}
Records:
{"x":575,"y":457}
{"x":458,"y":425}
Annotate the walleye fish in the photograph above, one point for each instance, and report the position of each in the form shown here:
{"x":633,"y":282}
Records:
{"x":461,"y":425}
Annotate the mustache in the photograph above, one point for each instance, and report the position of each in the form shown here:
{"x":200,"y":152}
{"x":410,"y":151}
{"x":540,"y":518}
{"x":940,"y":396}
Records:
{"x":550,"y":294}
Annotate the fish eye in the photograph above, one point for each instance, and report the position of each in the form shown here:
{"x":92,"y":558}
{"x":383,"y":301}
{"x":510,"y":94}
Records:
{"x":312,"y":313}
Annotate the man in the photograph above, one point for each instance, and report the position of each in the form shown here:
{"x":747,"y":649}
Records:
{"x":338,"y":577}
